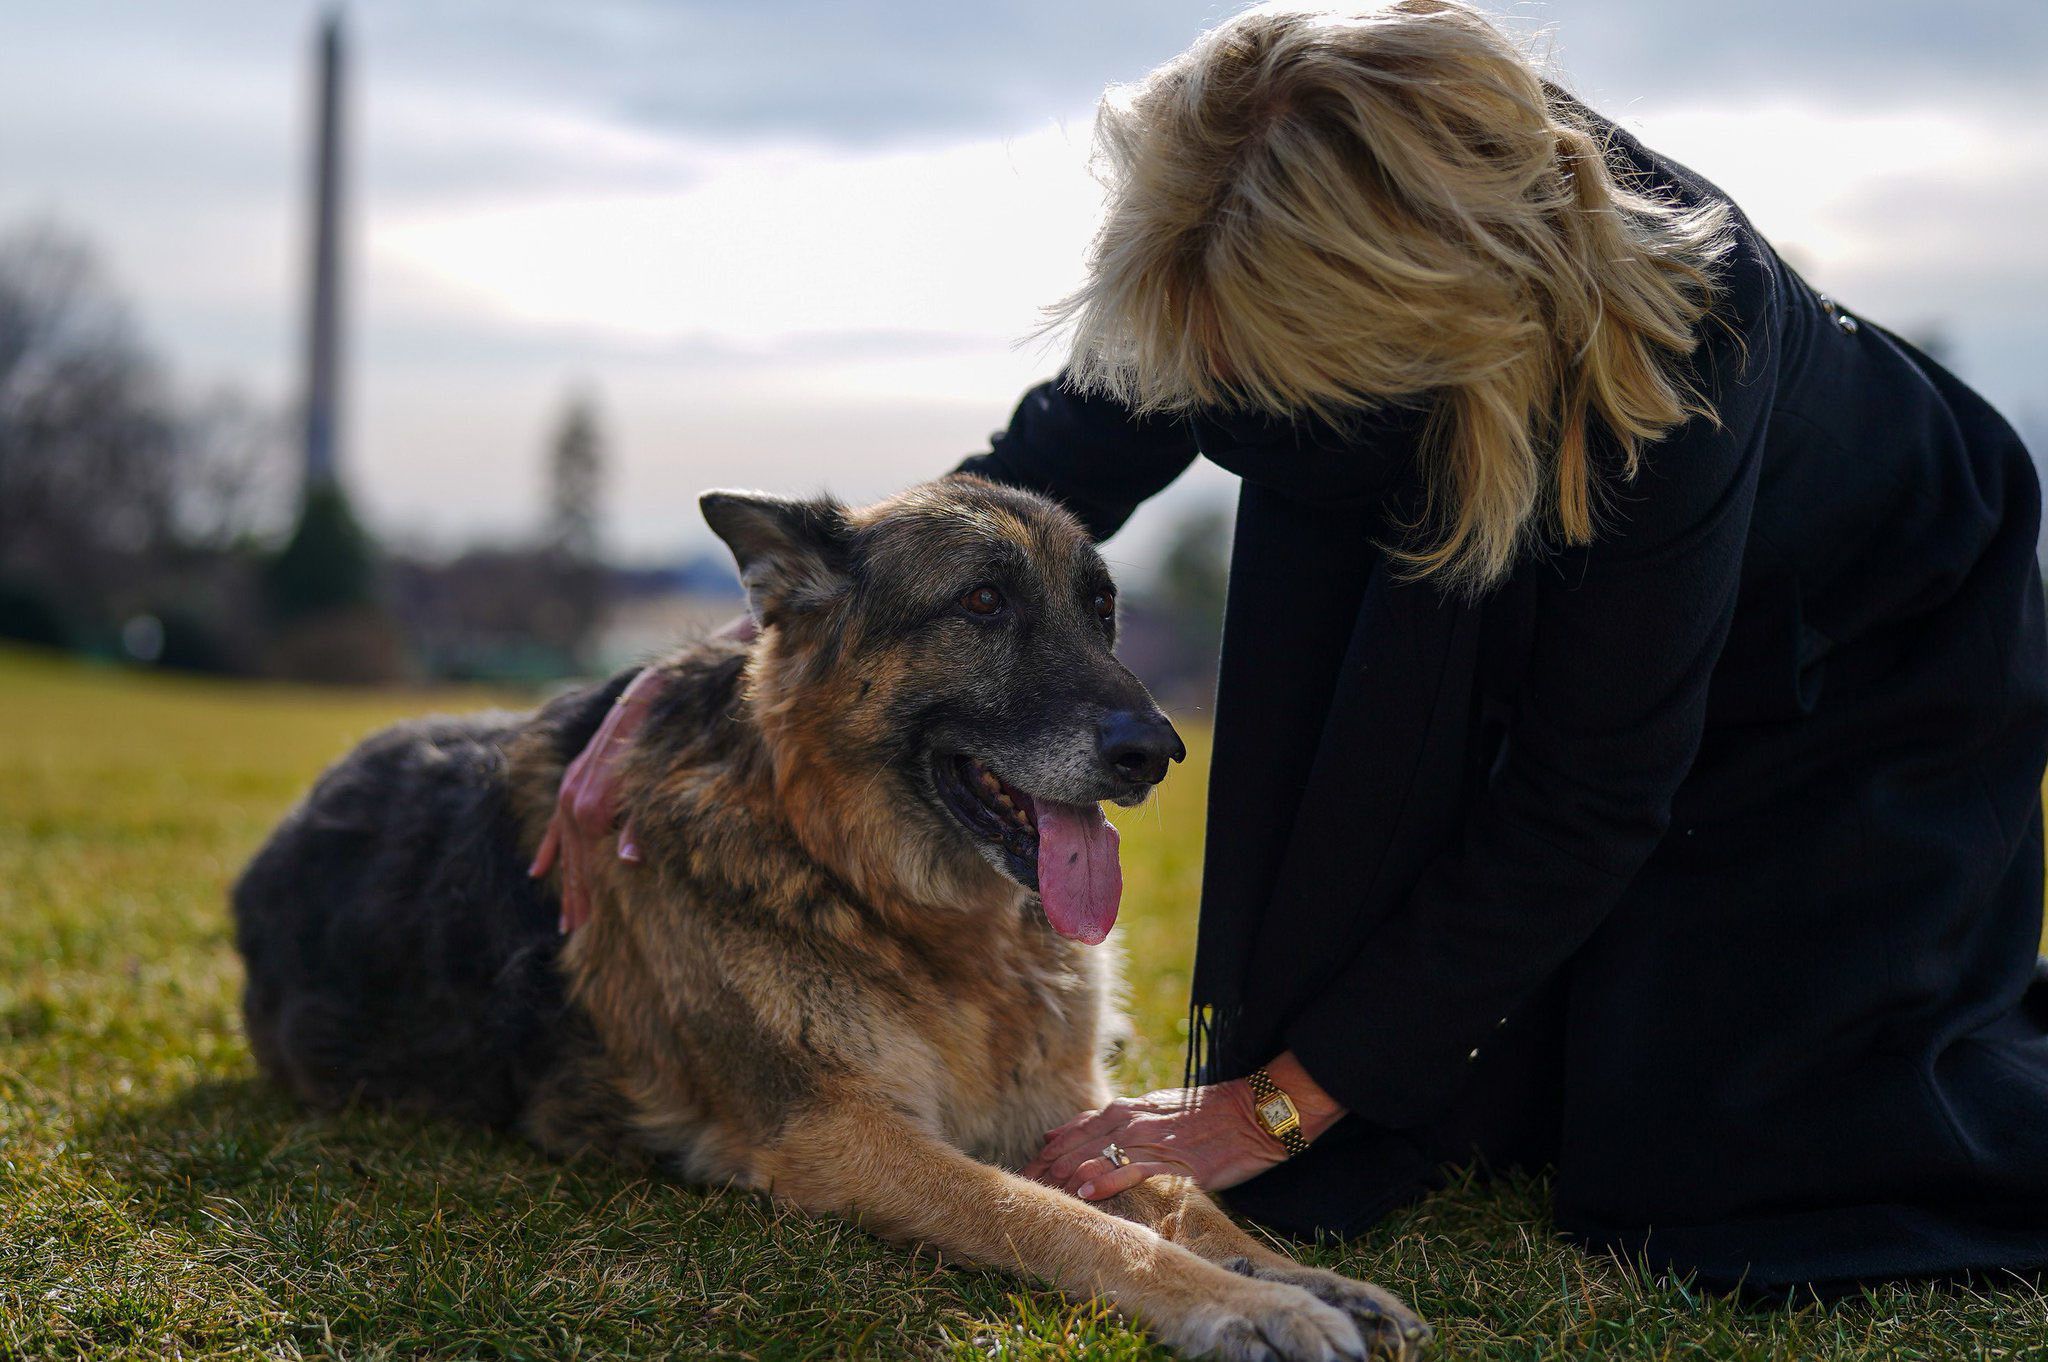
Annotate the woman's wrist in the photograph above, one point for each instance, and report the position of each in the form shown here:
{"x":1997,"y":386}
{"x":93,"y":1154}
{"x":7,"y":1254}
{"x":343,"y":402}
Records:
{"x":1317,"y":1109}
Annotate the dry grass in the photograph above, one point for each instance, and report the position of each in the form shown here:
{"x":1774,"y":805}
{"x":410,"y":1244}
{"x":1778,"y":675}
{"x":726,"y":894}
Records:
{"x":157,"y":1200}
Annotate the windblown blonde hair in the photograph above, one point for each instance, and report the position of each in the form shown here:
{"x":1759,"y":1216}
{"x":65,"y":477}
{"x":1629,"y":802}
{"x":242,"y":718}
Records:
{"x":1312,"y":211}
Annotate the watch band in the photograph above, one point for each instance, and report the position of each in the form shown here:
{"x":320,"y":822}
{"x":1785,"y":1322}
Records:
{"x":1288,"y":1132}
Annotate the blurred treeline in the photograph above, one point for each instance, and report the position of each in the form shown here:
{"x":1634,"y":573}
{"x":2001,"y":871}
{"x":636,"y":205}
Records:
{"x":122,"y":510}
{"x":139,"y":524}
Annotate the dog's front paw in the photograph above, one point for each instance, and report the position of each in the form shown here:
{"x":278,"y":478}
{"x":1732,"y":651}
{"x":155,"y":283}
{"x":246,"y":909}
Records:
{"x":1269,"y":1322}
{"x":1390,"y":1329}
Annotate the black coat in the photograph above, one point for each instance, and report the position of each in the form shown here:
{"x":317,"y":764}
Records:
{"x":1704,"y":862}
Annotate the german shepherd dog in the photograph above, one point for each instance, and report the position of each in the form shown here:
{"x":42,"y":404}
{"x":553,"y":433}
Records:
{"x":852,"y":968}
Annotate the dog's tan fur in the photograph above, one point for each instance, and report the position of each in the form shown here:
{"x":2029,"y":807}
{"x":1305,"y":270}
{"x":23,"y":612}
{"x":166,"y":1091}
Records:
{"x":814,"y":983}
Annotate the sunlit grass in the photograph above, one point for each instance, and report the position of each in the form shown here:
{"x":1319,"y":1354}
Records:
{"x":157,"y":1199}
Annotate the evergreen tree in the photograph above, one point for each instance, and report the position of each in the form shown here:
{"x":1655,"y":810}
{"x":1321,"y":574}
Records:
{"x":575,"y":475}
{"x":327,"y":565}
{"x":1194,"y":577}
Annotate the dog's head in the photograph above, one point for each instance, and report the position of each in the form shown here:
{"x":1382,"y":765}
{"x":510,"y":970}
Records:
{"x":939,"y":669}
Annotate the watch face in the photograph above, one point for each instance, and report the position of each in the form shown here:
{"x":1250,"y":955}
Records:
{"x":1274,"y":1113}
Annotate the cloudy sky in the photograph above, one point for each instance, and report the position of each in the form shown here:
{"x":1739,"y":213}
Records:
{"x":793,"y":243}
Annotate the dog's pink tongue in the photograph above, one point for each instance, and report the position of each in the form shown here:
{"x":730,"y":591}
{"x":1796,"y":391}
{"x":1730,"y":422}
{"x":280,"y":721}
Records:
{"x":1080,"y":878}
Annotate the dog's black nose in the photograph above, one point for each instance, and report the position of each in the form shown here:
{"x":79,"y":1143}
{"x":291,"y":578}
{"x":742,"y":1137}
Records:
{"x":1137,"y":745}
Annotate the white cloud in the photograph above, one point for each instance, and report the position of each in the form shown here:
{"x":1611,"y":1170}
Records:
{"x":765,"y":244}
{"x":1802,"y":172}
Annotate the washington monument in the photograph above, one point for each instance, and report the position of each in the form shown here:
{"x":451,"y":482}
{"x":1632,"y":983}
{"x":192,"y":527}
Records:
{"x":322,"y":393}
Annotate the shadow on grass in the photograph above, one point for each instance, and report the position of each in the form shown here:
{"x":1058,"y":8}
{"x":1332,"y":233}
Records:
{"x":381,"y":1233}
{"x":226,"y":1218}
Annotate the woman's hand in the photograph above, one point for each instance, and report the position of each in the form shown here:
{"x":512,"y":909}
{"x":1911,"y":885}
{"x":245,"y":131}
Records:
{"x":586,"y":806}
{"x":1207,"y":1134}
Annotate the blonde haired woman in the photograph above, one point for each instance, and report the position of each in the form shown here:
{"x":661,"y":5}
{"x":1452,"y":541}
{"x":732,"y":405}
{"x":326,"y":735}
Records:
{"x":1634,"y":702}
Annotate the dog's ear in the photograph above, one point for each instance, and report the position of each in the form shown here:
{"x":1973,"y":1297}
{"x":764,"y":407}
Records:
{"x":793,"y":555}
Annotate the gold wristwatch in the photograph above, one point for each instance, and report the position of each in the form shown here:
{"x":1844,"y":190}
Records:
{"x":1274,"y":1110}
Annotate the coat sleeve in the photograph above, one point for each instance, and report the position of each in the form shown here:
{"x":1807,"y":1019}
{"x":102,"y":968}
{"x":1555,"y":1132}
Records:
{"x":1605,"y":728}
{"x":1091,"y":454}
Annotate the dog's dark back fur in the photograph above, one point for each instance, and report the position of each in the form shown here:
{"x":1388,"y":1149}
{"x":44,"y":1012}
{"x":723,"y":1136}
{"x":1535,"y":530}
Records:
{"x":356,"y":992}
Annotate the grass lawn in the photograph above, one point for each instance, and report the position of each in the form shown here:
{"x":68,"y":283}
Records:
{"x":157,"y":1199}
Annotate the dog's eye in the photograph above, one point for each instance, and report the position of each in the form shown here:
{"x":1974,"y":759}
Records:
{"x":982,"y":600}
{"x":1105,"y":606}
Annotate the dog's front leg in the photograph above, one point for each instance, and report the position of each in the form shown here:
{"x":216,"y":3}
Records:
{"x":880,"y":1168}
{"x":1183,"y":1213}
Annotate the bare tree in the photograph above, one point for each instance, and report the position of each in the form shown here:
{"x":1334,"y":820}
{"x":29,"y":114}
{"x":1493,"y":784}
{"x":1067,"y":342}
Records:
{"x":116,"y":505}
{"x":88,"y":456}
{"x":234,"y":480}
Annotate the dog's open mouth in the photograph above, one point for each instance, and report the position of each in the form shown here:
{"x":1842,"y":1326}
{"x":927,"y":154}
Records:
{"x":1067,"y":852}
